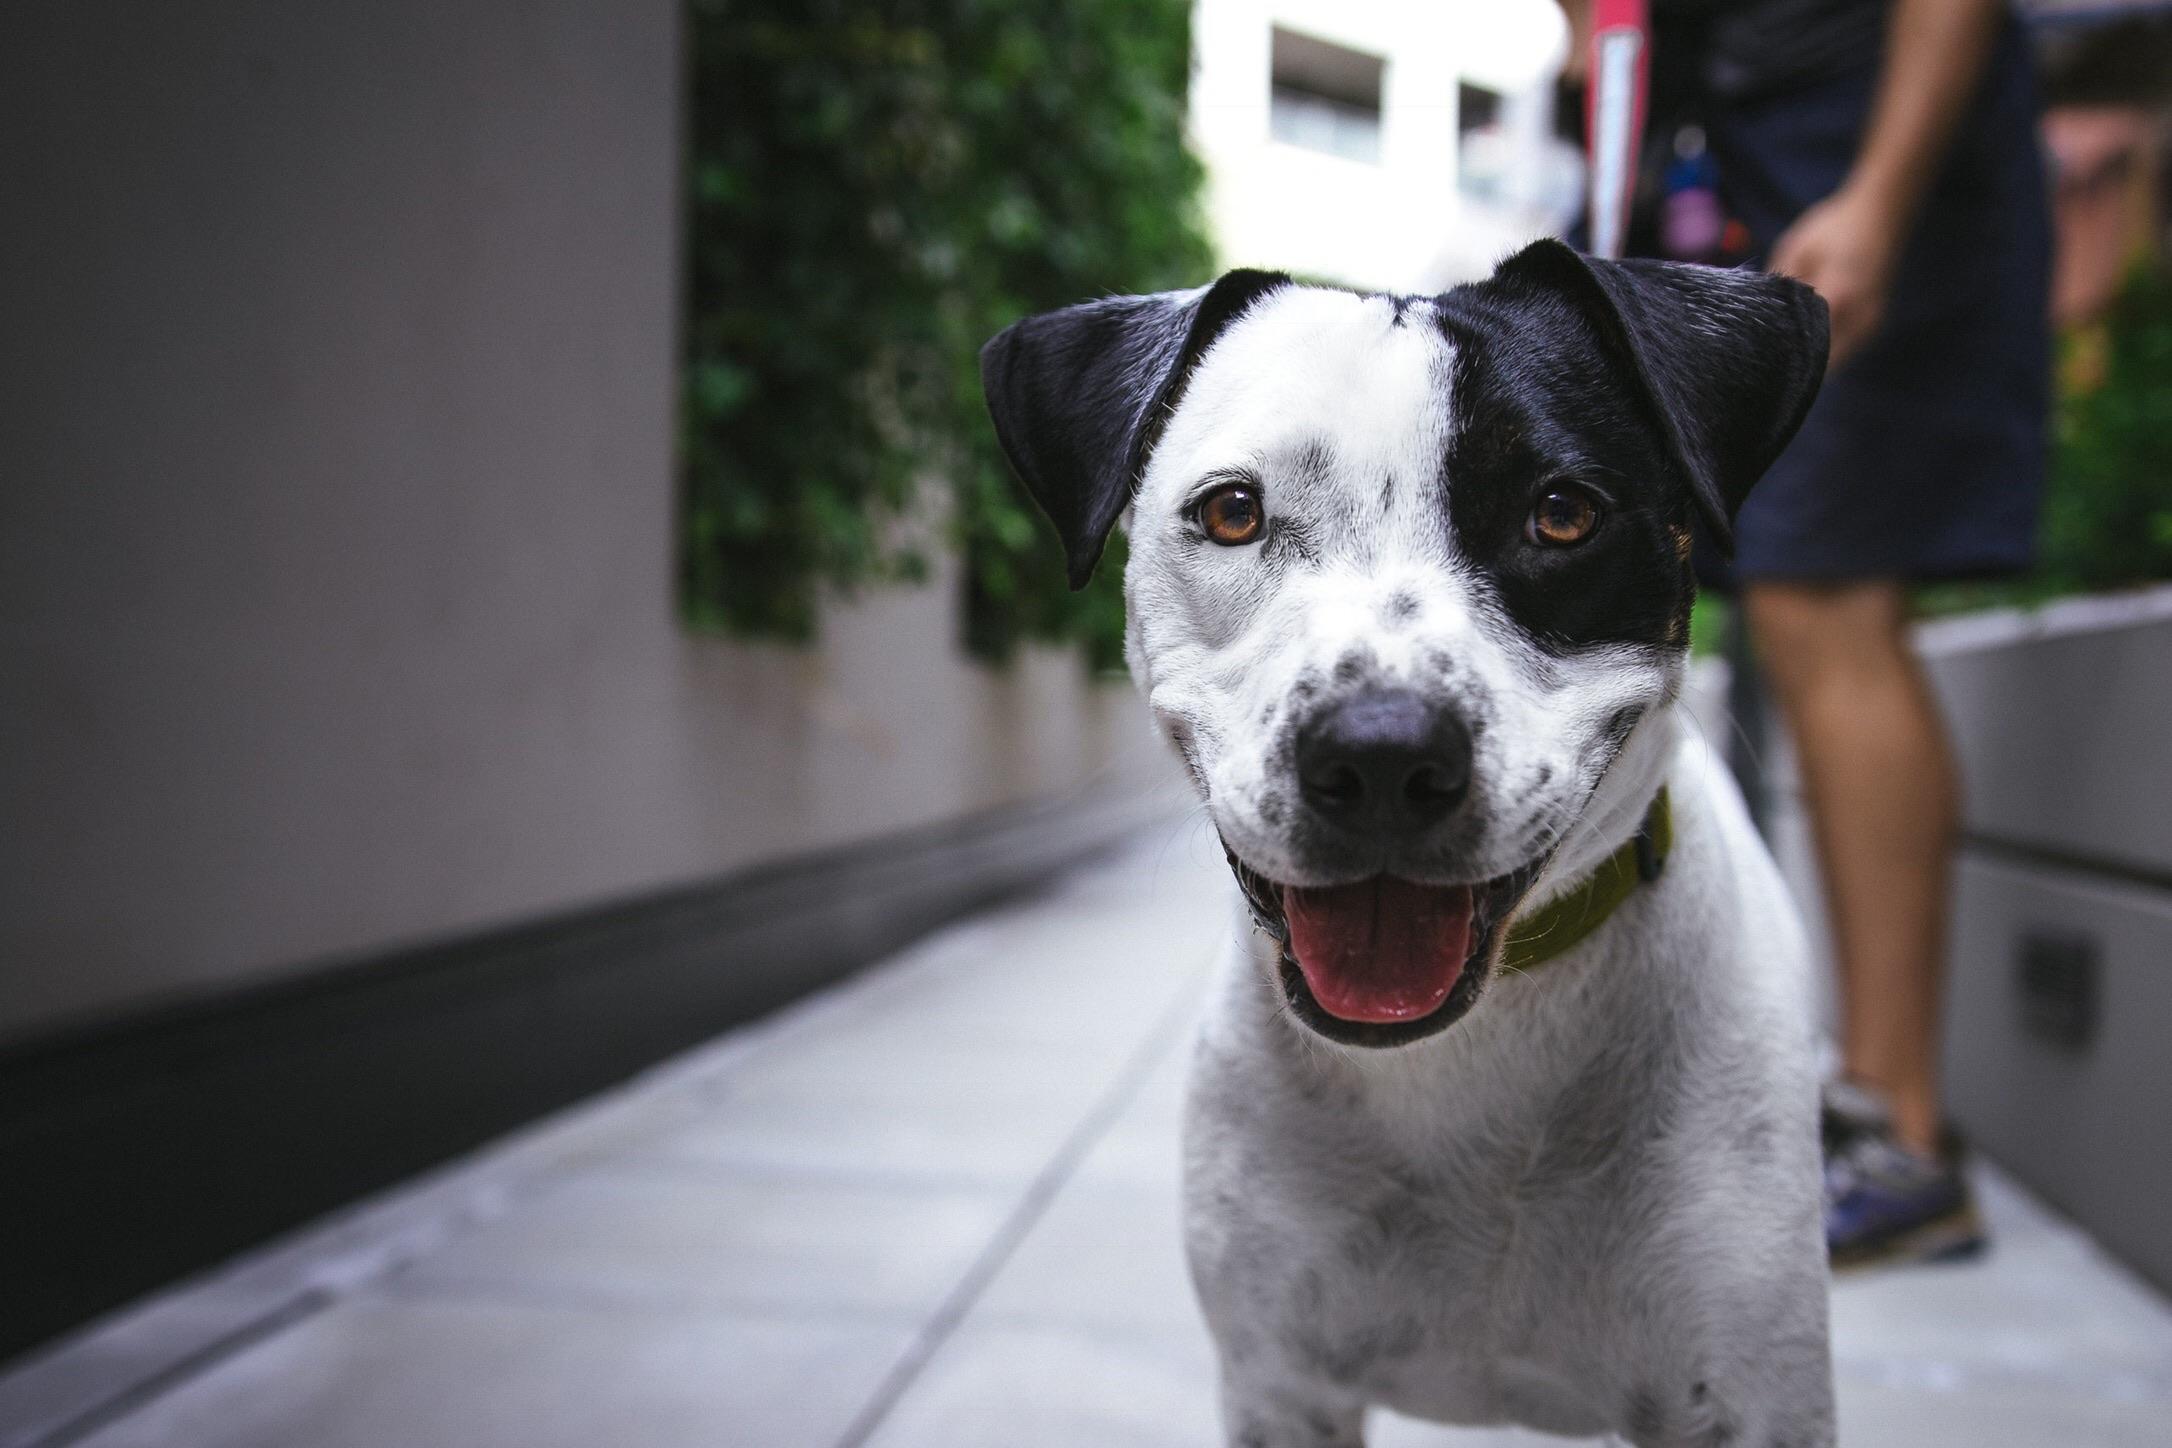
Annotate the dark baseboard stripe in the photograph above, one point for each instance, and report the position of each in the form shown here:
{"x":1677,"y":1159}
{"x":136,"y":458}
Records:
{"x":2101,"y":868}
{"x":134,"y":1153}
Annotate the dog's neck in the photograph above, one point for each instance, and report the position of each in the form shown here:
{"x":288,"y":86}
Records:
{"x":1617,"y":809}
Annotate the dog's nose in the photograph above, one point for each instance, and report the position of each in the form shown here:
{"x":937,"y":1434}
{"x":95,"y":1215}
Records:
{"x":1384,"y":760}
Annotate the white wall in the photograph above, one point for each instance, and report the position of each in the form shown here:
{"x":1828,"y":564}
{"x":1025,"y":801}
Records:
{"x":336,"y":529}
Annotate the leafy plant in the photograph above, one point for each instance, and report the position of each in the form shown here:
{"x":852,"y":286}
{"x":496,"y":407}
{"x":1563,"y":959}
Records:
{"x":2107,"y":520}
{"x":2108,"y":511}
{"x":876,"y":189}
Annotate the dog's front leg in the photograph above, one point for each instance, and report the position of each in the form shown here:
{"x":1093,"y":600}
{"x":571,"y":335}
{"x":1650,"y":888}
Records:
{"x":1786,"y":1410}
{"x":1289,"y":1415}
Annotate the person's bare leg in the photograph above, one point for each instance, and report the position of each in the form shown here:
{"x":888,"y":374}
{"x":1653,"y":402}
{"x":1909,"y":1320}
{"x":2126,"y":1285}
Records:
{"x":1884,"y":798}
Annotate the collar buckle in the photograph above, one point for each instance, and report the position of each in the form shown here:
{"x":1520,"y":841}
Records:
{"x":1650,"y":863}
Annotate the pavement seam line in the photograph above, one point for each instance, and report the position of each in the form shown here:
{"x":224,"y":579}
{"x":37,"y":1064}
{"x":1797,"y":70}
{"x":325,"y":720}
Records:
{"x":1051,"y":1179}
{"x":147,"y":1390}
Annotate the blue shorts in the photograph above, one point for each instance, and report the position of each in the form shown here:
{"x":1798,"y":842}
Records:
{"x":1923,"y":457}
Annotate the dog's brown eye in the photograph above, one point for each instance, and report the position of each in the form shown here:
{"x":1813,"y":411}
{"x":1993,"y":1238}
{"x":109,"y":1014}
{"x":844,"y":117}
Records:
{"x":1563,"y":517}
{"x":1232,"y":514}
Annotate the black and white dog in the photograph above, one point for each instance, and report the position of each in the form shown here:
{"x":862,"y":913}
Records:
{"x":1504,"y":1108}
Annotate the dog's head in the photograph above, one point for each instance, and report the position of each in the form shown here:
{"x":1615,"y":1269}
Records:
{"x":1406,"y":573}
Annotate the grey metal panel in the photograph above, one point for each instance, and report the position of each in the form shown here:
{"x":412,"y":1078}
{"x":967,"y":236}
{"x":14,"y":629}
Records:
{"x":2065,"y":731}
{"x":2088,"y":1128}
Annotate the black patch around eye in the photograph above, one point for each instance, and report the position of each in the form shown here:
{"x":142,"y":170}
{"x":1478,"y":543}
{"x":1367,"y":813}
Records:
{"x":1533,"y":402}
{"x":1564,"y":516}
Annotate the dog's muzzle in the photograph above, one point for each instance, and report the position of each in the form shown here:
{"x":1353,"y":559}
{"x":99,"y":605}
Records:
{"x":1383,"y":774}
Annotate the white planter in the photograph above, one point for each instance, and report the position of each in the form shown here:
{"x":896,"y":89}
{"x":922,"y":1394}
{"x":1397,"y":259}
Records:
{"x":2060,"y":1070}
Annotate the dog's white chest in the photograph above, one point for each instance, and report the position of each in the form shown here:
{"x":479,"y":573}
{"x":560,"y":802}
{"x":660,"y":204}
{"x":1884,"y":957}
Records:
{"x":1442,"y":1291}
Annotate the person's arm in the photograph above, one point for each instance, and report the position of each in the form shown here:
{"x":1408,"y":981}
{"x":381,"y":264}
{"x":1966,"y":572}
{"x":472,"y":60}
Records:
{"x":1578,"y":14}
{"x":1847,"y":245}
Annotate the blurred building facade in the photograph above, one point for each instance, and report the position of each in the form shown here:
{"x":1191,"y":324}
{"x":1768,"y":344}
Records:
{"x":1376,"y":144}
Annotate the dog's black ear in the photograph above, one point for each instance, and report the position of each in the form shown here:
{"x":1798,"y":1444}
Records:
{"x":1079,"y":395}
{"x":1729,"y":361}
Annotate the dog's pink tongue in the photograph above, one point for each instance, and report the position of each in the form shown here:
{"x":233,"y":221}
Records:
{"x":1381,"y":950}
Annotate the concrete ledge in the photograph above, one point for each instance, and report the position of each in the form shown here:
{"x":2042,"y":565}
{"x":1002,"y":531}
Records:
{"x":2065,"y":1081}
{"x":133,"y":1153}
{"x":2062,"y":931}
{"x":2059,"y":716}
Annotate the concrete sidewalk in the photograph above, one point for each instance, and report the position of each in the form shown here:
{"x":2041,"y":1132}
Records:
{"x":935,"y":1208}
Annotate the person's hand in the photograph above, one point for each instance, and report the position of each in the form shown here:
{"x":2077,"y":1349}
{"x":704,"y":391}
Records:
{"x":1578,"y":61}
{"x":1845,"y":247}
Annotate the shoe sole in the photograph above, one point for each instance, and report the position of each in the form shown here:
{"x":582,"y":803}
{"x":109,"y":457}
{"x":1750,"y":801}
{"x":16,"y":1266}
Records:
{"x":1956,"y":1237}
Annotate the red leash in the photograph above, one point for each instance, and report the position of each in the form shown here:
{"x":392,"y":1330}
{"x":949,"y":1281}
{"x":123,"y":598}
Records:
{"x":1619,"y":72}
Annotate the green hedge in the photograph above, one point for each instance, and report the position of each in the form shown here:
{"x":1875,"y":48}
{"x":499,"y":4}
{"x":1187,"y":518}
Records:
{"x":875,"y":190}
{"x":2108,"y":510}
{"x":2107,"y":520}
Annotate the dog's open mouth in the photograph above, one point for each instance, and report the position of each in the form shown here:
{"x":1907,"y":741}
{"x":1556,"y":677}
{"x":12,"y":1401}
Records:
{"x":1386,"y":960}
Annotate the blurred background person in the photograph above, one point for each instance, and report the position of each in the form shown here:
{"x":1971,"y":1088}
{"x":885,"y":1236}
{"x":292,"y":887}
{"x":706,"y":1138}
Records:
{"x":1884,"y":151}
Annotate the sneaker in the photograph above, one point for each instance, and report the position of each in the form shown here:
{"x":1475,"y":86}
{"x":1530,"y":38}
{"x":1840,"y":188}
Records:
{"x":1886,"y":1204}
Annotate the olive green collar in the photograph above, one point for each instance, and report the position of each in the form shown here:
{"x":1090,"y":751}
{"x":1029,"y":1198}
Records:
{"x":1558,"y":926}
